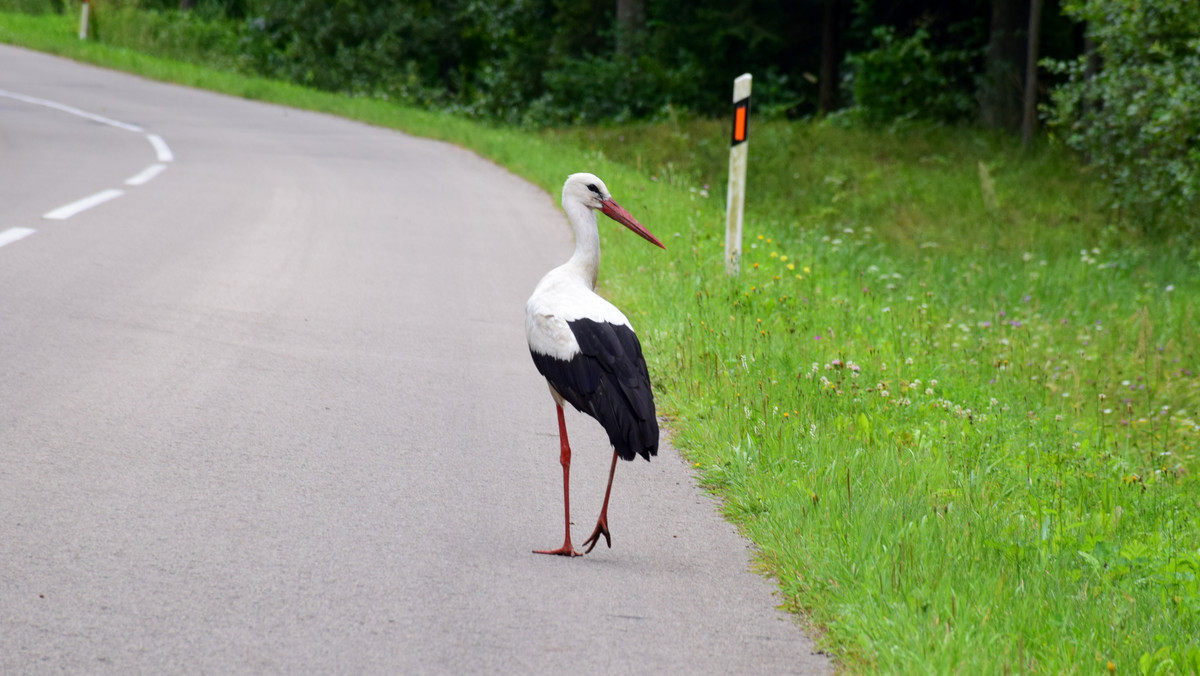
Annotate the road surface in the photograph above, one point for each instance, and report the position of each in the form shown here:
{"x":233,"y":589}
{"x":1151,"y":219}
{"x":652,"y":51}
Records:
{"x":270,"y":410}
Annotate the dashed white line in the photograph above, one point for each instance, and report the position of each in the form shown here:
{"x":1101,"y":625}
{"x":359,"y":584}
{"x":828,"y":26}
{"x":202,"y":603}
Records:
{"x":13,"y":234}
{"x":146,"y":174}
{"x":64,"y":212}
{"x":160,"y":147}
{"x":161,"y":150}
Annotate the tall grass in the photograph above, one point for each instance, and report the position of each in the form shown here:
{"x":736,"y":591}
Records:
{"x":958,"y":421}
{"x":962,"y":429}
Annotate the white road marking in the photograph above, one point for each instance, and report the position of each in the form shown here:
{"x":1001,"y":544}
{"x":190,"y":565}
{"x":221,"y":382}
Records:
{"x":160,"y":147}
{"x":72,"y":110}
{"x":161,"y":150}
{"x":13,"y":234}
{"x":146,"y":174}
{"x":64,"y":212}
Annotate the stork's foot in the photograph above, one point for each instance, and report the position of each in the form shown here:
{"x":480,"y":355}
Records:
{"x":601,"y":529}
{"x":565,"y":550}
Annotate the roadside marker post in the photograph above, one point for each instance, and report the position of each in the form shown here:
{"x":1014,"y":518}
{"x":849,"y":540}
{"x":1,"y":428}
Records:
{"x":736,"y":197}
{"x":83,"y":20}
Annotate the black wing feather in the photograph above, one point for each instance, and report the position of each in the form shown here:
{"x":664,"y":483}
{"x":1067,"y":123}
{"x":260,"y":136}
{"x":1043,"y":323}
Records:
{"x":609,"y":381}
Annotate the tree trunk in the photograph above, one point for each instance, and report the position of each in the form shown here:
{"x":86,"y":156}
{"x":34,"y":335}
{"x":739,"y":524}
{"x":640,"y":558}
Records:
{"x":827,"y":96}
{"x":631,"y":26}
{"x":1001,"y":92}
{"x":185,"y":5}
{"x":1029,"y":120}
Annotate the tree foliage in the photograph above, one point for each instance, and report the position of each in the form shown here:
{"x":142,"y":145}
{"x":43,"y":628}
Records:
{"x":906,"y":77}
{"x":1137,"y":117}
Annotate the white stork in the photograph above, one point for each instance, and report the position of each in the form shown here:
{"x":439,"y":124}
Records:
{"x":587,"y":350}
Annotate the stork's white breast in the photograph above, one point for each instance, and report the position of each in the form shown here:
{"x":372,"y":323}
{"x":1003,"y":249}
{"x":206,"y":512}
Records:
{"x":560,"y":298}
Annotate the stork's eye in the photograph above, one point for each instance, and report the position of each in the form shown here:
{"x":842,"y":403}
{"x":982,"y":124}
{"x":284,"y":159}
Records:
{"x":593,"y":188}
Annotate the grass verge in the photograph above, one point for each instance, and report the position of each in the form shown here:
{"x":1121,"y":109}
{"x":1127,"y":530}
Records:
{"x":958,"y":421}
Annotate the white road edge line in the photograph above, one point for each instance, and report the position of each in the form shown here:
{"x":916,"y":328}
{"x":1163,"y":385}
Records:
{"x":64,"y":212}
{"x":72,"y":110}
{"x":146,"y":174}
{"x":160,"y":147}
{"x":13,"y":234}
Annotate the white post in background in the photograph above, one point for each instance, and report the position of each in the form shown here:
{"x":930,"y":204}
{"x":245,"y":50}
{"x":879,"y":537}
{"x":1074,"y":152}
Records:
{"x":737,"y":174}
{"x":83,"y":20}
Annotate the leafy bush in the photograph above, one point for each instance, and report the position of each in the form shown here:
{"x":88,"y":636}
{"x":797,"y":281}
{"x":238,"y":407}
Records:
{"x":1137,"y":118}
{"x":621,"y":89}
{"x":905,"y":77}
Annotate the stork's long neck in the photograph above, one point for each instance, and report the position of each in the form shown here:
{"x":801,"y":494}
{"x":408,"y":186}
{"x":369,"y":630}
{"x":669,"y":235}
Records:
{"x":586,"y":259}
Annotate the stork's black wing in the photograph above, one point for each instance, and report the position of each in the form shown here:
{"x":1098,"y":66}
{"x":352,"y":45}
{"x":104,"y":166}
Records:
{"x":608,"y":380}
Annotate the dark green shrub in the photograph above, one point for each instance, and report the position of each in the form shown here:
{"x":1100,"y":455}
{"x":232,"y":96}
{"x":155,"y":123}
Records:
{"x":1137,"y":117}
{"x":905,"y":77}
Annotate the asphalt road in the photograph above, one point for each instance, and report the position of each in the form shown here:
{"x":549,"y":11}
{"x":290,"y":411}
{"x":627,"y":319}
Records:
{"x":271,"y":411}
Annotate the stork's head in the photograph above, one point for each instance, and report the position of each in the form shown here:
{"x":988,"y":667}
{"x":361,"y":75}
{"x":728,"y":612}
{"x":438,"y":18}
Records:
{"x":590,"y":191}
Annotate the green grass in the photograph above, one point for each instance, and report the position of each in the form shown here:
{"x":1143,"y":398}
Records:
{"x":963,"y":436}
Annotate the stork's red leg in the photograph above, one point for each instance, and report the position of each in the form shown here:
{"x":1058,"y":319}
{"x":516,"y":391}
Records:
{"x":567,"y":549}
{"x":602,"y":523}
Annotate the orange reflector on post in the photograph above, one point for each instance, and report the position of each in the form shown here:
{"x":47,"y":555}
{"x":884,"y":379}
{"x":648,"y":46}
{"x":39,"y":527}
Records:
{"x":741,"y":111}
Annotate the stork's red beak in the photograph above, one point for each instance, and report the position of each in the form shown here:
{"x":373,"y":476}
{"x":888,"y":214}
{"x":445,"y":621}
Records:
{"x":617,"y":213}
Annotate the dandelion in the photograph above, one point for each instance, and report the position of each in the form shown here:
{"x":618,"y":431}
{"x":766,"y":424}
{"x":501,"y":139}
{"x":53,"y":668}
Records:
{"x":783,"y":258}
{"x":791,"y":266}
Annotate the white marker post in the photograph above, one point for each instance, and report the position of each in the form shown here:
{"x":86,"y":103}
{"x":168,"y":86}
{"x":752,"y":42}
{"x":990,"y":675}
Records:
{"x":83,"y":20}
{"x":736,"y":199}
